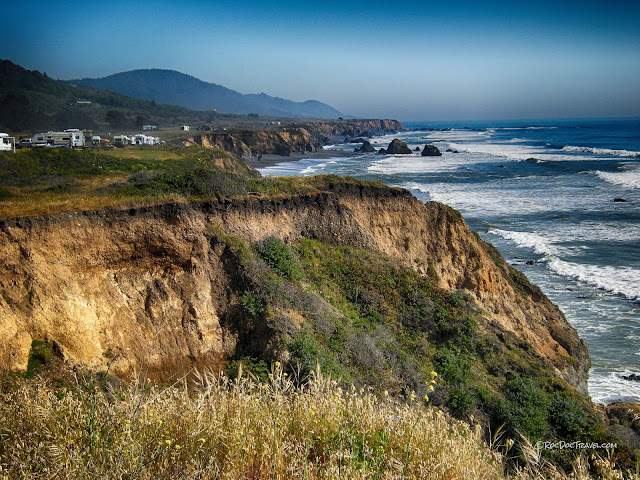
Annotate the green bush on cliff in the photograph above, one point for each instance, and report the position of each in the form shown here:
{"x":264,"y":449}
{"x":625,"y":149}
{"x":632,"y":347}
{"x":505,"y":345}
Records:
{"x":524,"y":407}
{"x":567,"y":417}
{"x":280,"y":258}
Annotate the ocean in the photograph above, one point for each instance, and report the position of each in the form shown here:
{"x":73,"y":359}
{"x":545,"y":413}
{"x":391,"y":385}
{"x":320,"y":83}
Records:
{"x":544,"y":193}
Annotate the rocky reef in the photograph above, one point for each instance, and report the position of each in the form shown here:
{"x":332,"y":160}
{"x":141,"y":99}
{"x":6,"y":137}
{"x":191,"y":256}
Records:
{"x":398,"y":147}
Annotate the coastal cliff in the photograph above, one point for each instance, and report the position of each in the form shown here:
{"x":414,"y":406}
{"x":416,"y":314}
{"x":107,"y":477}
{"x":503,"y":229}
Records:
{"x":249,"y":143}
{"x":306,"y":138}
{"x":160,"y":287}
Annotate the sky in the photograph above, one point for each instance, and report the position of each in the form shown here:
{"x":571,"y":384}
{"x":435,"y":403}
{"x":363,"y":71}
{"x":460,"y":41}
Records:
{"x":432,"y":60}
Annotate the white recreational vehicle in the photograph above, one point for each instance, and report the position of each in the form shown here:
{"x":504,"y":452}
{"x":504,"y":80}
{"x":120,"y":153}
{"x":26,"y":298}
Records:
{"x":142,"y":139}
{"x":7,"y":143}
{"x":71,"y":137}
{"x":122,"y":140}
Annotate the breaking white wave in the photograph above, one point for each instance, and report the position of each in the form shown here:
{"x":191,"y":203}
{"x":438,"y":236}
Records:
{"x":406,"y":164}
{"x":602,"y":151}
{"x":618,"y":280}
{"x":539,"y":244}
{"x":609,"y":387}
{"x":630,"y":177}
{"x":512,"y":151}
{"x":526,"y":128}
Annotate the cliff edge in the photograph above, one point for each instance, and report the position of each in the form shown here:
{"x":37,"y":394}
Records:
{"x":158,"y":286}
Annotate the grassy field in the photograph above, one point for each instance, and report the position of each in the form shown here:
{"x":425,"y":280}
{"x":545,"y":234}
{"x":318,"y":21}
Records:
{"x":49,"y":180}
{"x":212,"y":427}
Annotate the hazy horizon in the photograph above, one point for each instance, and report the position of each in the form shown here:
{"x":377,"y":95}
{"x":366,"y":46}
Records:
{"x":444,"y":61}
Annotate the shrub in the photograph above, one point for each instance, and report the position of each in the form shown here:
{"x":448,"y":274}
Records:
{"x":452,"y":366}
{"x":252,"y":366}
{"x":524,"y":407}
{"x":461,"y":399}
{"x":566,"y":416}
{"x":280,"y":258}
{"x":252,"y":304}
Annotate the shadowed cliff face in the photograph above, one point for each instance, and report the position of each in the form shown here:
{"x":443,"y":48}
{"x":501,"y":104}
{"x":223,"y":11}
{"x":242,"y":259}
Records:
{"x":156,"y":287}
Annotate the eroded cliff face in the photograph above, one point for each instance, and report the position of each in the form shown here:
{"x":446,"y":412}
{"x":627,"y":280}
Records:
{"x":309,"y":138}
{"x":355,"y":128}
{"x":157,"y":288}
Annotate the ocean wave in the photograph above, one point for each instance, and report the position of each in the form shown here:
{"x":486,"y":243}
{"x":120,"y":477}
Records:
{"x":404,"y":164}
{"x":623,"y":281}
{"x":512,"y":151}
{"x":608,"y":387}
{"x":526,"y":128}
{"x":629,"y":178}
{"x":602,"y":151}
{"x":539,"y":244}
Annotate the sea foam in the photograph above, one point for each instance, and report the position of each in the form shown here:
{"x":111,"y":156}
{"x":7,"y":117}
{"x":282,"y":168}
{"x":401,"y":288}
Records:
{"x":602,"y":151}
{"x":618,"y":280}
{"x":629,"y":177}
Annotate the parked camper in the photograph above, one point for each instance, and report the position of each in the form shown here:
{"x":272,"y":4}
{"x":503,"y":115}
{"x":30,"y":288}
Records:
{"x":122,"y":140}
{"x":142,"y":139}
{"x":69,"y":138}
{"x":7,"y":143}
{"x":96,"y":140}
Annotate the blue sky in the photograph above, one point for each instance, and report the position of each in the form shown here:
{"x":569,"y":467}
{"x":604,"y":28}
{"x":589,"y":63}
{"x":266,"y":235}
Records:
{"x":454,"y":60}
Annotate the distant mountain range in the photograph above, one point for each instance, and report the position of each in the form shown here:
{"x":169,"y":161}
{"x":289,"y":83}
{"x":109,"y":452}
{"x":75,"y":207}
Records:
{"x":175,"y":88}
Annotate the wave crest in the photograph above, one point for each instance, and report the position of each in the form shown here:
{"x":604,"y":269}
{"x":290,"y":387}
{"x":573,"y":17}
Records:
{"x":602,"y":151}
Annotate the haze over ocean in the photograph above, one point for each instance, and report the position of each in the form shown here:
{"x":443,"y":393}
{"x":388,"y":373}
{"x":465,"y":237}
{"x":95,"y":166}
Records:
{"x":410,"y":61}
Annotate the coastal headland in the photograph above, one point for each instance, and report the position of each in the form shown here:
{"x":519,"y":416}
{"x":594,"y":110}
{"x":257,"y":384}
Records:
{"x":182,"y":259}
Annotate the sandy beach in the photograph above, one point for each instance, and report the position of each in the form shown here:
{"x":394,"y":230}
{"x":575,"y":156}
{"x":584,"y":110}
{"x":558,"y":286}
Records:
{"x":269,"y":160}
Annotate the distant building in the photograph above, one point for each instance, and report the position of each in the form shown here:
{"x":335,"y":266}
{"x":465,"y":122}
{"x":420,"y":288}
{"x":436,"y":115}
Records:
{"x":7,"y":143}
{"x":185,"y":128}
{"x":71,"y":137}
{"x":83,"y":102}
{"x":149,"y":127}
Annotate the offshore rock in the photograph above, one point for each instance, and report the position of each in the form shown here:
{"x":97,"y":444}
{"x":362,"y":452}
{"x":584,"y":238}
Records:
{"x":398,"y":147}
{"x":365,"y":148}
{"x":431,"y":151}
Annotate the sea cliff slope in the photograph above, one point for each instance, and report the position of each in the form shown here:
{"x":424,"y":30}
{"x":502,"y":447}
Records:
{"x":159,"y":288}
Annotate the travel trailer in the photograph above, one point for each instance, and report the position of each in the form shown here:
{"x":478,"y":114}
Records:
{"x":7,"y":143}
{"x":71,"y":137}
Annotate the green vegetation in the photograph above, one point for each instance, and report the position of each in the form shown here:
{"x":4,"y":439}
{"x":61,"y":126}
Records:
{"x":280,"y":258}
{"x":368,"y":320}
{"x":48,"y":180}
{"x":364,"y":318}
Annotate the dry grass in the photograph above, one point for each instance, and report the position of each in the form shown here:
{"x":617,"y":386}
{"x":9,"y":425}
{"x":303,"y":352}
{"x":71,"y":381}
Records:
{"x":240,"y":429}
{"x":217,"y":428}
{"x":144,"y":153}
{"x":26,"y":202}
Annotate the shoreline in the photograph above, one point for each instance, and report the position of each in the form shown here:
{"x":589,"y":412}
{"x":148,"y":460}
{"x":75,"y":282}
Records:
{"x":271,"y":159}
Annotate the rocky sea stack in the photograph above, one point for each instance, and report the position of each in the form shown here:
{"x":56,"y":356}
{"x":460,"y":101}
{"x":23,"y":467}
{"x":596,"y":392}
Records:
{"x":365,"y":148}
{"x":398,"y":147}
{"x":431,"y":151}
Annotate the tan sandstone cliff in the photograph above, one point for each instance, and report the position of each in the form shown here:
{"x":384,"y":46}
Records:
{"x":156,"y":287}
